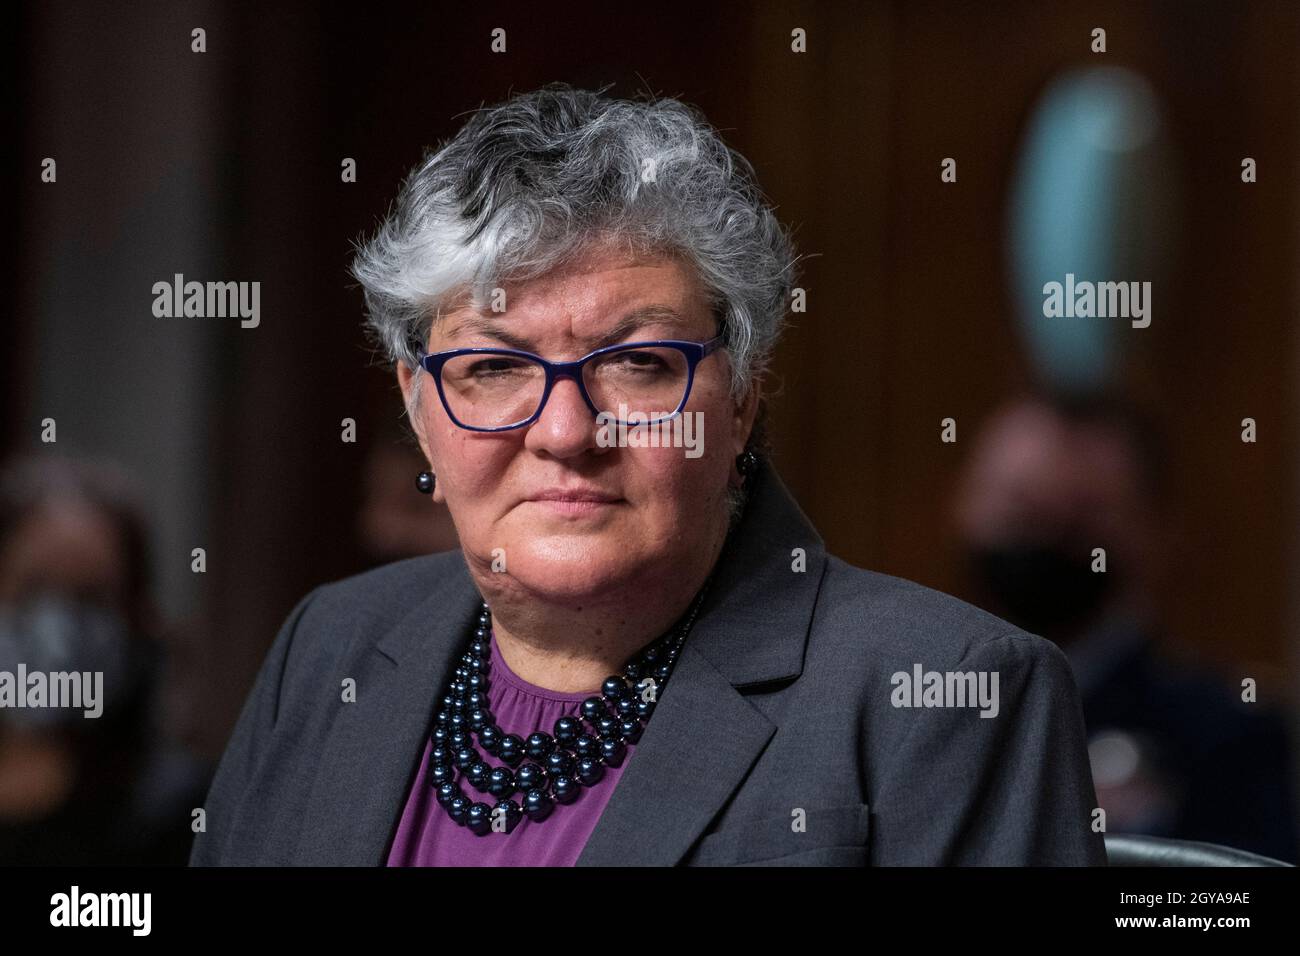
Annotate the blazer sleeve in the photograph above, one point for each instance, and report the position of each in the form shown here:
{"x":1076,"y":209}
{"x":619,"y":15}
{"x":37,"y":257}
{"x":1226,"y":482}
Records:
{"x":1013,"y":789}
{"x":246,"y":748}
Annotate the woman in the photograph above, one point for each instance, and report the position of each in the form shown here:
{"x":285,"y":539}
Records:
{"x":641,"y":654}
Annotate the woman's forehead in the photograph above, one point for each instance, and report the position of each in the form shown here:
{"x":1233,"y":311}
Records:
{"x":606,"y":282}
{"x":591,"y":305}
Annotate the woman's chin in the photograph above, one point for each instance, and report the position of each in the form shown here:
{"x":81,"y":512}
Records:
{"x":589,"y":575}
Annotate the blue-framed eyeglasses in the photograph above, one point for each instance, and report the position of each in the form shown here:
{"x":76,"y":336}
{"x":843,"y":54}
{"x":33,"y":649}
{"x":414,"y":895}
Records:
{"x":492,"y":390}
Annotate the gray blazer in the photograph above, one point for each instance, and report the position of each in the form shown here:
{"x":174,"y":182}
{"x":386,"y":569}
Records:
{"x":781,"y":739}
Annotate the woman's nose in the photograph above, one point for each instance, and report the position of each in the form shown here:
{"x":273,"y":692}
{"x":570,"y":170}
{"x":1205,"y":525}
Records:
{"x":566,"y":425}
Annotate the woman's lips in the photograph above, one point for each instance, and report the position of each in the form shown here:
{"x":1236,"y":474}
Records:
{"x":573,"y":506}
{"x":564,"y":502}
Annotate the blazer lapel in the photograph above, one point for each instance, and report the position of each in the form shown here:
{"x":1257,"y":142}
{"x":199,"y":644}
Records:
{"x":371,"y":753}
{"x":695,"y":751}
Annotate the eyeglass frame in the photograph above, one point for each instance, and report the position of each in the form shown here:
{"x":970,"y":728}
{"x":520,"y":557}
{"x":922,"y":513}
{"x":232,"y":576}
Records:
{"x":695,"y":352}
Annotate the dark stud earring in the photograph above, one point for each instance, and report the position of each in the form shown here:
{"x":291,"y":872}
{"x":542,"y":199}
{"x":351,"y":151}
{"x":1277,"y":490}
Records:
{"x":746,"y":463}
{"x":424,"y":482}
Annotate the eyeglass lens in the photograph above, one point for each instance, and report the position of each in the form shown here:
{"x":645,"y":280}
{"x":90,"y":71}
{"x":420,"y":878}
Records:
{"x":489,"y":390}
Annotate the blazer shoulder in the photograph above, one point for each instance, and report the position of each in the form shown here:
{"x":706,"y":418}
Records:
{"x":363,"y":606}
{"x":885,"y":617}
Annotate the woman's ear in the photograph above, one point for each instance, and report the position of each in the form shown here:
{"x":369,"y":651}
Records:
{"x":406,"y":382}
{"x":746,"y":411}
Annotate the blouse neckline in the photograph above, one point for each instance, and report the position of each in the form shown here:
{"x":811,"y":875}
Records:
{"x":502,"y":671}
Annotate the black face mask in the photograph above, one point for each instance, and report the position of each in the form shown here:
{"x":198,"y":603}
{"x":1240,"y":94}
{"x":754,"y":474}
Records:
{"x":1041,"y":588}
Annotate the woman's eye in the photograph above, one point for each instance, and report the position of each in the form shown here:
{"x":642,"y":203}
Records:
{"x":489,"y":367}
{"x":639,"y":360}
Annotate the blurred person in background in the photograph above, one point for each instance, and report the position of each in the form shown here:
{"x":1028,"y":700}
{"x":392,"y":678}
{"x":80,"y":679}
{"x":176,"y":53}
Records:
{"x":1175,"y":751}
{"x":75,"y":596}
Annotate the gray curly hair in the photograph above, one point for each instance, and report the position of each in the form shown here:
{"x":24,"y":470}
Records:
{"x":531,"y":183}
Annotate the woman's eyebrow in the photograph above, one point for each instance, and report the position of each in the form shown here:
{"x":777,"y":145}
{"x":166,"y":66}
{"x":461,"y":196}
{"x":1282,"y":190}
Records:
{"x":625,"y":326}
{"x":637,"y":318}
{"x":492,"y":330}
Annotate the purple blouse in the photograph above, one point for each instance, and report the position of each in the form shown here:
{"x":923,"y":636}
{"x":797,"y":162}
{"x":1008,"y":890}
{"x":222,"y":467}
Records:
{"x":427,"y":836}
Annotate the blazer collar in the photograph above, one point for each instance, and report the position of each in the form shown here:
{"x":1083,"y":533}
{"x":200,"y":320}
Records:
{"x":752,"y":629}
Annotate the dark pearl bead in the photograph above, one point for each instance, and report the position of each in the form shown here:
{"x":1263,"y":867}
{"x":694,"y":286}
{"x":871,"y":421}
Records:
{"x":607,"y":727}
{"x":442,"y":773}
{"x":567,"y":730}
{"x":590,"y":770}
{"x":511,"y":749}
{"x":627,"y":706}
{"x":489,"y":738}
{"x":445,"y":792}
{"x":479,"y":719}
{"x":644,"y":708}
{"x":440,"y":754}
{"x":538,"y":805}
{"x":613,"y":688}
{"x":661,"y":673}
{"x":510,"y":812}
{"x":477,"y":775}
{"x":465,"y":758}
{"x":630,"y":729}
{"x":531,"y":776}
{"x":566,"y":789}
{"x":612,"y":752}
{"x":457,"y":807}
{"x":440,"y":734}
{"x":593,"y":708}
{"x":559,"y":764}
{"x":501,"y":782}
{"x":586,"y":746}
{"x":479,"y":818}
{"x":539,"y":745}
